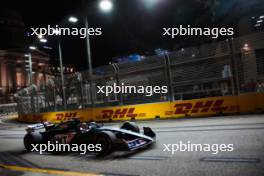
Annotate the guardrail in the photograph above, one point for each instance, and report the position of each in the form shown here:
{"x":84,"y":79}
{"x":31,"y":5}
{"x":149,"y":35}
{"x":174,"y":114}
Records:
{"x":6,"y":109}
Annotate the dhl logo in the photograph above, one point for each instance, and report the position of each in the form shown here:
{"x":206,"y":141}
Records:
{"x":66,"y":116}
{"x":200,"y":107}
{"x":119,"y":113}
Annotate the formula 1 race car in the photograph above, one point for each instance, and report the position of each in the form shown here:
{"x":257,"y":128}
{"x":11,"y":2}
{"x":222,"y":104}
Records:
{"x":125,"y":138}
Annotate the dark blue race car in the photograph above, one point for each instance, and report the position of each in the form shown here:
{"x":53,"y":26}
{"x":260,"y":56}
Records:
{"x":126,"y":138}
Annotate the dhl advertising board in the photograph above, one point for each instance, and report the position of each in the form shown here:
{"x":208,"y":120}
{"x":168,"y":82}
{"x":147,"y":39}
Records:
{"x":245,"y":103}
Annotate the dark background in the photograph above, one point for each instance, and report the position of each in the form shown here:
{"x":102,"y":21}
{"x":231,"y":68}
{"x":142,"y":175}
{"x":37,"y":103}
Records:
{"x":133,"y":26}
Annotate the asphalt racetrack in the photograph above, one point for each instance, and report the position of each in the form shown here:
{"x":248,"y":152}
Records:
{"x":246,"y":133}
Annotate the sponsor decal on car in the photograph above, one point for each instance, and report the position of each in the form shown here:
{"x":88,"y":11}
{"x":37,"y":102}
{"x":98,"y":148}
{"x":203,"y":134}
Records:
{"x":136,"y":143}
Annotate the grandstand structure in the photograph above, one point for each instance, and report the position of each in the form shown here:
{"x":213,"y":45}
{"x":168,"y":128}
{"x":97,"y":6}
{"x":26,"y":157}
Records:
{"x":230,"y":67}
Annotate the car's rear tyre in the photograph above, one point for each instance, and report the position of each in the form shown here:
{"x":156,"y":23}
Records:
{"x":107,"y":141}
{"x":32,"y":138}
{"x":131,"y":126}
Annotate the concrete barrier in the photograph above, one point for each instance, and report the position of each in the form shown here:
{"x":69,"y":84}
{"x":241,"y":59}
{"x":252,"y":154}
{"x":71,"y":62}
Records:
{"x":244,"y":103}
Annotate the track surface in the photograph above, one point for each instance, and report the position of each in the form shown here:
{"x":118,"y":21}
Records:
{"x":245,"y":132}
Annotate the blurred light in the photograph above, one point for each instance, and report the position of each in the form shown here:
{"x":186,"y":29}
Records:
{"x":106,"y":5}
{"x":43,"y":40}
{"x":259,"y":21}
{"x":261,"y":17}
{"x":26,"y":55}
{"x":32,"y":47}
{"x":47,"y":47}
{"x":161,"y":52}
{"x":246,"y":47}
{"x":150,"y":3}
{"x":56,"y":31}
{"x":73,"y":19}
{"x":257,"y":25}
{"x":40,"y":36}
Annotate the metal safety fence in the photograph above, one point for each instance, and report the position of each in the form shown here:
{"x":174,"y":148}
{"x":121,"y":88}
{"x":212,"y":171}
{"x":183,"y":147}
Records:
{"x":229,"y":67}
{"x":6,"y":109}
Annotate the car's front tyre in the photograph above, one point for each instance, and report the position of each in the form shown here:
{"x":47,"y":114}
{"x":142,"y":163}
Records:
{"x":131,"y":126}
{"x":107,"y":140}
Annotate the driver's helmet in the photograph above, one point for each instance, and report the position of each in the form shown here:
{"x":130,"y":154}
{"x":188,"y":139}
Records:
{"x":93,"y":125}
{"x":46,"y":123}
{"x":83,"y":126}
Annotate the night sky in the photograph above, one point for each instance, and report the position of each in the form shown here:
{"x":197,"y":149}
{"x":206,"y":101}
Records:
{"x":133,"y":26}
